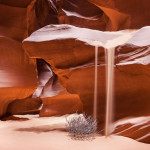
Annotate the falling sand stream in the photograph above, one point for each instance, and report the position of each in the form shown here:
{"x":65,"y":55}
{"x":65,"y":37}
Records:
{"x":109,"y":59}
{"x":95,"y":84}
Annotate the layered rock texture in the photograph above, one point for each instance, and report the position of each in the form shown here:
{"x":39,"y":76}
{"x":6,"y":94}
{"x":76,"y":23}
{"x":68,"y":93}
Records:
{"x":50,"y":71}
{"x":136,"y":128}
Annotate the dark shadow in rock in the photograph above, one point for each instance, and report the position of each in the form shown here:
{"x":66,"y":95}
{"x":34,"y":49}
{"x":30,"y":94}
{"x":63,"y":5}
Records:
{"x":13,"y":118}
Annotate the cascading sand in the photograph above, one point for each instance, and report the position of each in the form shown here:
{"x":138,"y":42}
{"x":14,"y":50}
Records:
{"x":109,"y":57}
{"x":109,"y":46}
{"x":95,"y":84}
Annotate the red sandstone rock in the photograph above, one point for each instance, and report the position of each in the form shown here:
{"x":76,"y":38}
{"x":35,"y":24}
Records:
{"x":17,"y":74}
{"x":18,"y":78}
{"x":82,"y":14}
{"x":48,"y":82}
{"x":137,"y":128}
{"x":24,"y":106}
{"x":61,"y":105}
{"x":125,"y":14}
{"x":20,"y":3}
{"x":104,"y":15}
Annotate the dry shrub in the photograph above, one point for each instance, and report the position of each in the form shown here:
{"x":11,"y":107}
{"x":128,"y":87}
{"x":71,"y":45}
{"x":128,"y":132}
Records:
{"x":81,"y":127}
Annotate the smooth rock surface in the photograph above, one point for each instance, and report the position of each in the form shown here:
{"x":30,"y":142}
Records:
{"x":18,"y":77}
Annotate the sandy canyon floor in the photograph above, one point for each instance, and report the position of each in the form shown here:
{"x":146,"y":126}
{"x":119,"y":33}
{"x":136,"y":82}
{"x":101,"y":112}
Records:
{"x":47,"y":133}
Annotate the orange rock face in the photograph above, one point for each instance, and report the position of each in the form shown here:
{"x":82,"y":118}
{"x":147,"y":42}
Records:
{"x":103,"y":15}
{"x":138,"y":130}
{"x":18,"y":77}
{"x":61,"y":105}
{"x":24,"y":106}
{"x":125,"y":14}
